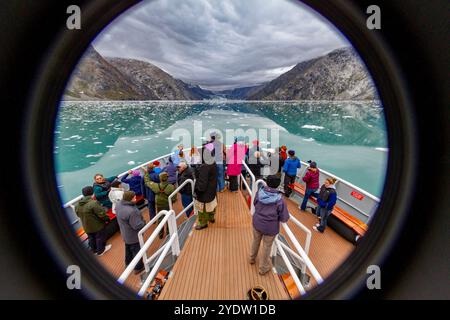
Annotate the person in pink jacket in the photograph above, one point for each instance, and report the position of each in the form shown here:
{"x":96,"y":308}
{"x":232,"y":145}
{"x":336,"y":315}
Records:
{"x":311,"y":179}
{"x":235,"y":157}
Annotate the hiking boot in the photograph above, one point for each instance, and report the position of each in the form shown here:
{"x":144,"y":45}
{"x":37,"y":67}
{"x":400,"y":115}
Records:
{"x":315,"y":228}
{"x":252,"y":260}
{"x":212,"y":220}
{"x":107,"y":248}
{"x":198,"y":227}
{"x":263,"y":272}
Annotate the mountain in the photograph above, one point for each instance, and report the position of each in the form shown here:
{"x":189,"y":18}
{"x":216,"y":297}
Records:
{"x":238,"y":93}
{"x":95,"y":78}
{"x":339,"y":75}
{"x":159,"y":84}
{"x":98,"y":78}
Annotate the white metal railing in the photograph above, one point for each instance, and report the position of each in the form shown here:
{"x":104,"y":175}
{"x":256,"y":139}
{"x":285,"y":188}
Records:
{"x":361,"y":209}
{"x":250,"y":190}
{"x":301,"y":254}
{"x":175,"y":192}
{"x":298,"y":283}
{"x":173,"y":244}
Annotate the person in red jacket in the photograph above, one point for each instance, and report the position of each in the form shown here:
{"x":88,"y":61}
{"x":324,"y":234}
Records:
{"x":311,"y":179}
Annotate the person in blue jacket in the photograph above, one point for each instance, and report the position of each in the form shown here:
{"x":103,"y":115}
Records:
{"x":135,"y":181}
{"x":148,"y":193}
{"x":327,"y":199}
{"x":290,"y":171}
{"x":102,"y":187}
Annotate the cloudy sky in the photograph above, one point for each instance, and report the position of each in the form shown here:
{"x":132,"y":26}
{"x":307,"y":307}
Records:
{"x":220,"y":44}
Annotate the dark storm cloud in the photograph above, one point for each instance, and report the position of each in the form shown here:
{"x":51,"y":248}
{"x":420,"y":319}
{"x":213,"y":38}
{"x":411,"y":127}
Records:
{"x":220,"y":44}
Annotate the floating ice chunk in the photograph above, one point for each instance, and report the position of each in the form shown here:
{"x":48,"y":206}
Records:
{"x":308,"y":139}
{"x":110,"y":146}
{"x":347,"y":117}
{"x":98,"y":142}
{"x":131,"y":163}
{"x":382,"y":149}
{"x":338,"y":134}
{"x":335,"y":115}
{"x":312,"y":127}
{"x":94,"y":155}
{"x":130,"y":151}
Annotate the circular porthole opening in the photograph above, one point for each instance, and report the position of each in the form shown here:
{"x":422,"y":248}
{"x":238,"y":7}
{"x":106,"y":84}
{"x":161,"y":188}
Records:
{"x":285,"y":107}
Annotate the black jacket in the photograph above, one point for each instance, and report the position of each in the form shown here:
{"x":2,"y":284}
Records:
{"x":185,"y":175}
{"x":206,"y":183}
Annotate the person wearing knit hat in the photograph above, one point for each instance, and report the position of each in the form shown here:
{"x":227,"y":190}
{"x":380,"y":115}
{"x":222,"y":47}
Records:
{"x":162,"y":191}
{"x":163,"y":176}
{"x":290,"y":167}
{"x":130,"y":221}
{"x":157,"y":167}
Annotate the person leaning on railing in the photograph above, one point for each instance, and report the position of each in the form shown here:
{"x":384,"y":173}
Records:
{"x":102,"y":187}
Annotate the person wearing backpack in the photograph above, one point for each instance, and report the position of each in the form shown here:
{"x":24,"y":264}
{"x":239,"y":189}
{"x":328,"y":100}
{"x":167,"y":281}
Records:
{"x":162,"y":191}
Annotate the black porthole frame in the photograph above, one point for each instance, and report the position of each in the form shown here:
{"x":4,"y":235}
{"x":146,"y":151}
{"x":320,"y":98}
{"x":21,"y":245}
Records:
{"x":348,"y":279}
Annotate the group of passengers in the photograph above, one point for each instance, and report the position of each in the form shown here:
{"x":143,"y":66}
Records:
{"x":107,"y":199}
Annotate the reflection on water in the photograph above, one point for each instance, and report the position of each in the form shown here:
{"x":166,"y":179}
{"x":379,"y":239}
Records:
{"x":345,"y":138}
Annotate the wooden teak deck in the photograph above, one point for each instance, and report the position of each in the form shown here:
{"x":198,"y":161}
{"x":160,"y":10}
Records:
{"x":214,"y":262}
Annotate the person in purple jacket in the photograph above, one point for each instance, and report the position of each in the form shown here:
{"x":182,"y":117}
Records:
{"x":270,"y":210}
{"x":171,"y":170}
{"x":135,"y":181}
{"x":311,"y":179}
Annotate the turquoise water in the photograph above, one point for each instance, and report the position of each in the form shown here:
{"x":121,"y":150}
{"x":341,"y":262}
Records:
{"x":347,"y":139}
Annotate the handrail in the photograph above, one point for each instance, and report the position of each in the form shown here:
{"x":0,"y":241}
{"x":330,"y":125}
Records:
{"x":173,"y":243}
{"x":345,"y":182}
{"x":141,"y":237}
{"x":289,"y":266}
{"x":250,"y":190}
{"x":192,"y":182}
{"x":71,"y":202}
{"x":303,"y":254}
